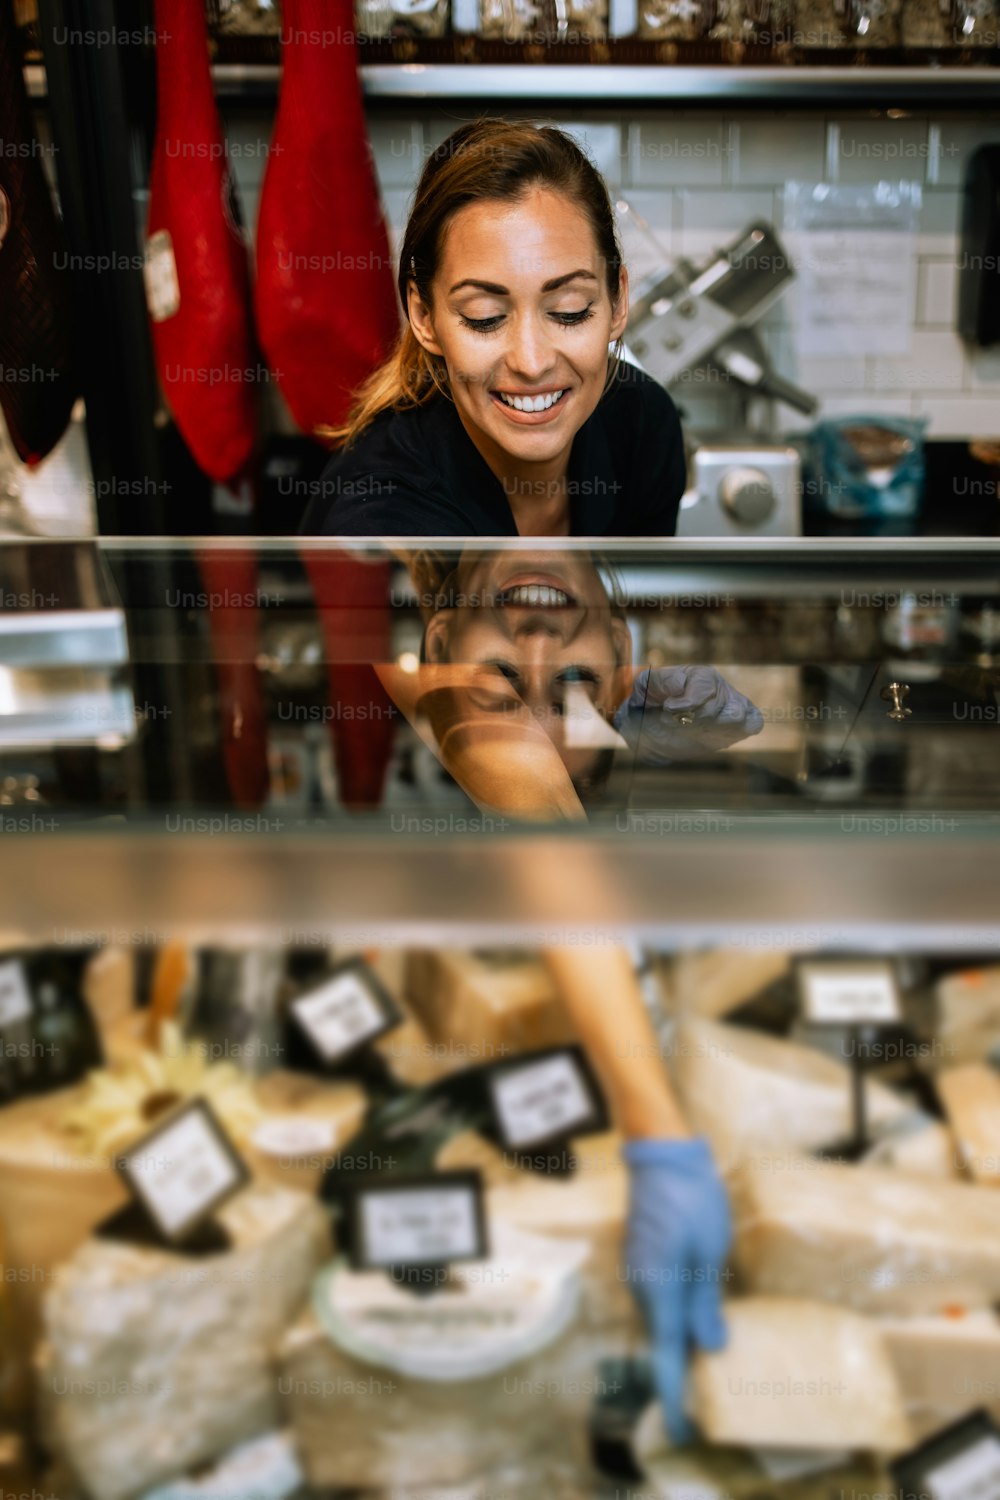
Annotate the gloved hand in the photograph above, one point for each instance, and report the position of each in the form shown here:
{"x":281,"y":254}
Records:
{"x":678,"y":1235}
{"x":674,"y":712}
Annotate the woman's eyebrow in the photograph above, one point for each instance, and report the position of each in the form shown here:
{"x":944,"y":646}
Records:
{"x":502,"y":291}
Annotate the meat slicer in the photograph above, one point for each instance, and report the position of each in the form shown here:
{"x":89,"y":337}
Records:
{"x":688,"y":320}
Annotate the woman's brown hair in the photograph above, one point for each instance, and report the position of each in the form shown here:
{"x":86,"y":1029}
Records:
{"x":487,"y":159}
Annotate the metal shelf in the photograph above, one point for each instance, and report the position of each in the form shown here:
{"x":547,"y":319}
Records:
{"x":641,"y":85}
{"x":648,"y":85}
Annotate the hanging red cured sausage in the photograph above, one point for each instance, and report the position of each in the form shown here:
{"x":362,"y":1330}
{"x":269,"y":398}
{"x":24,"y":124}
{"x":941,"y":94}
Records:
{"x":38,"y":368}
{"x":196,"y":259}
{"x":325,"y":294}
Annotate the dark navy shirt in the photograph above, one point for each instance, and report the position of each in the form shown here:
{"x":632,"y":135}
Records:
{"x":418,"y":473}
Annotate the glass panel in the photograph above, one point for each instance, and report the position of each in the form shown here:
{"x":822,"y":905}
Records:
{"x":541,"y":681}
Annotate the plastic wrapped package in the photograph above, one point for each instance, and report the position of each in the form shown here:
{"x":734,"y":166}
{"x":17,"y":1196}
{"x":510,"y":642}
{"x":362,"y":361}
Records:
{"x":496,"y":1003}
{"x":712,"y":984}
{"x":799,"y":1374}
{"x":384,"y":1387}
{"x":947,"y":1367}
{"x":701,"y":1472}
{"x":757,"y":1096}
{"x":155,"y":1362}
{"x":971,"y":1098}
{"x":968,"y":1024}
{"x":872,"y":1239}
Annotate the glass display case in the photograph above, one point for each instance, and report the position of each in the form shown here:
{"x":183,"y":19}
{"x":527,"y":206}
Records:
{"x":695,"y":736}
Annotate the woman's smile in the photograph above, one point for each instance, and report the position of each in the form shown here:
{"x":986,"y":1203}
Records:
{"x":532,"y":409}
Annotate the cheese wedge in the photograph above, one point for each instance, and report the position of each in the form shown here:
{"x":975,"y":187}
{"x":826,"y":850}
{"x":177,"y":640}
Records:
{"x":799,"y":1374}
{"x":870,"y":1239}
{"x":971,"y":1097}
{"x":947,"y":1367}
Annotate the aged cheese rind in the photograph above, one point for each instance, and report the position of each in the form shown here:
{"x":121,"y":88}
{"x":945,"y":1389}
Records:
{"x":156,"y":1362}
{"x":874,"y":1239}
{"x":496,"y":1005}
{"x":798,"y":1374}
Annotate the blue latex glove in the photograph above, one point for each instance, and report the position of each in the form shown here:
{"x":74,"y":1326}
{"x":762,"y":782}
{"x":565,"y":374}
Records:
{"x":674,"y":712}
{"x":679,"y":1232}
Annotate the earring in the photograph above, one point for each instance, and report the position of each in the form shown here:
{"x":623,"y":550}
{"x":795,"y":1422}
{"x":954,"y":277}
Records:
{"x":413,"y":265}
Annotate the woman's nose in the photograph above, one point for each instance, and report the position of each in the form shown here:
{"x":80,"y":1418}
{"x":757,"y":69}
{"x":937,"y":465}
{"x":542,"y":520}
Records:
{"x":529,"y":353}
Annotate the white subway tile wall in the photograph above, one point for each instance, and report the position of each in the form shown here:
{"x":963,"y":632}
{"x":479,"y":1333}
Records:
{"x":697,"y":178}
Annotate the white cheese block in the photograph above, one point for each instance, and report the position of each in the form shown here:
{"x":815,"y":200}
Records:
{"x":917,"y":1143}
{"x":492,"y":1003}
{"x":759,"y":1097}
{"x":971,"y":1098}
{"x":798,"y":1374}
{"x":872,"y":1239}
{"x":947,"y":1367}
{"x":157,"y":1362}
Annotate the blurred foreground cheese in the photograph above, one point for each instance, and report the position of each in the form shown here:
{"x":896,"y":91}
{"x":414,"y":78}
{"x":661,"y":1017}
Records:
{"x":590,"y":1205}
{"x":971,"y":1097}
{"x":755,"y":1096}
{"x":713,"y":984}
{"x":968,"y":1020}
{"x":384,"y":1388}
{"x":947,"y":1367}
{"x":871,"y":1238}
{"x":799,"y":1374}
{"x":157,"y":1362}
{"x":306,"y":1122}
{"x":499,"y":1002}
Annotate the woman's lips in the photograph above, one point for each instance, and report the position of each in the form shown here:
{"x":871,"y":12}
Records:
{"x":531,"y":418}
{"x":535,"y":580}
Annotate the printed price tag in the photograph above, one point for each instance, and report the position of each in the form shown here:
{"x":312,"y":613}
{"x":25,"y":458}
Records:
{"x":182,"y":1171}
{"x":971,"y":1475}
{"x":415,"y":1222}
{"x":344,"y":1012}
{"x":542,"y":1099}
{"x":15,"y":997}
{"x":159,"y":271}
{"x":849,"y":994}
{"x":962,"y":1462}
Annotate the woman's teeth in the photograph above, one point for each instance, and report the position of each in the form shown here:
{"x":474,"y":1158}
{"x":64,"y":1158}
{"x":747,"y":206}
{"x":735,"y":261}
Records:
{"x":532,"y":403}
{"x":540,"y":595}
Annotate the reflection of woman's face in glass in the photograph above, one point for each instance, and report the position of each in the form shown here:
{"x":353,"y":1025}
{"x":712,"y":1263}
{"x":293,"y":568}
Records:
{"x":539,"y":633}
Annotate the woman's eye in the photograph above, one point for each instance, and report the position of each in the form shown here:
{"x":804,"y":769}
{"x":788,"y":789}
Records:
{"x":482,"y":325}
{"x":571,"y":318}
{"x":577,"y":674}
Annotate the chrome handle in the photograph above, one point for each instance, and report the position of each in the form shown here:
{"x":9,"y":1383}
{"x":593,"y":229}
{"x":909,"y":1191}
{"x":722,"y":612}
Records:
{"x":894,"y":693}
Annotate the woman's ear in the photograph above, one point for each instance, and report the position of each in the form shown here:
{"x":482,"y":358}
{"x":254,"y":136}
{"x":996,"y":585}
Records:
{"x":436,"y":638}
{"x":420,"y":320}
{"x":619,"y":312}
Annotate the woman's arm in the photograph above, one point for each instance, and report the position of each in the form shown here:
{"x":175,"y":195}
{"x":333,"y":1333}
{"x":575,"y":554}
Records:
{"x":601,"y":993}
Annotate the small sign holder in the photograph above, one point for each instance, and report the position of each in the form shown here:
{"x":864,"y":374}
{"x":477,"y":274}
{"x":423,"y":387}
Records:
{"x":542,"y":1100}
{"x":414,"y":1227}
{"x":178,"y":1175}
{"x":857,"y":997}
{"x":333,"y":1024}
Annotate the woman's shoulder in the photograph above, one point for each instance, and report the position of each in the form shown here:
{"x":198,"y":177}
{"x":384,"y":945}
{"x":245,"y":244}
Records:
{"x":387,"y":478}
{"x":636,"y":397}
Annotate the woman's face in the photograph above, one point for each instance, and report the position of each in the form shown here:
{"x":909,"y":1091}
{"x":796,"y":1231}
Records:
{"x":539,"y":634}
{"x":522,"y":317}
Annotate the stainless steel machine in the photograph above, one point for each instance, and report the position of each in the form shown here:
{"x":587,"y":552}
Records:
{"x":687,"y":318}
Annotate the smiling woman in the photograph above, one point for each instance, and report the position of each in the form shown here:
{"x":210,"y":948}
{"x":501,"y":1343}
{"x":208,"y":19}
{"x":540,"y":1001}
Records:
{"x":505,"y":408}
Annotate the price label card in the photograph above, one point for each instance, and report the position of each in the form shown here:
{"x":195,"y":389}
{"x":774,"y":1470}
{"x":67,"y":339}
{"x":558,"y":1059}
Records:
{"x":551,"y":1095}
{"x":417,"y":1221}
{"x":182,"y":1171}
{"x":971,"y":1475}
{"x":15,"y":997}
{"x":960,"y":1463}
{"x":849,"y":994}
{"x":345,"y":1011}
